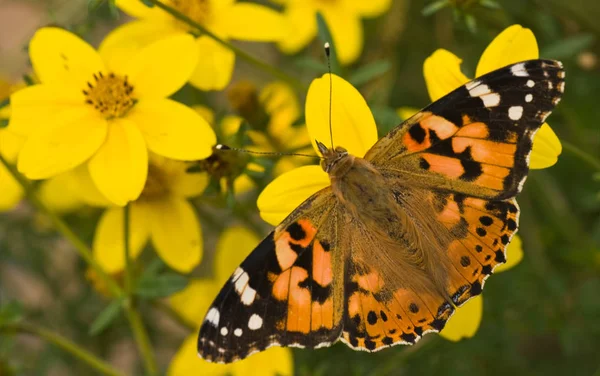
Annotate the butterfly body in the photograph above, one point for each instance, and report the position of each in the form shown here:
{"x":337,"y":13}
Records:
{"x":402,"y":236}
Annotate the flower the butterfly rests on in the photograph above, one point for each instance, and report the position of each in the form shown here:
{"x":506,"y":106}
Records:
{"x":400,"y":237}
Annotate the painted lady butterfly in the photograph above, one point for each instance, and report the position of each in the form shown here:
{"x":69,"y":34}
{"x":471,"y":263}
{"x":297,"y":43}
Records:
{"x":402,"y":236}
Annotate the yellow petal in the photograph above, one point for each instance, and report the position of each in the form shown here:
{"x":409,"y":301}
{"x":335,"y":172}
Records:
{"x":276,"y":361}
{"x":186,"y":361}
{"x":546,"y":148}
{"x":176,"y":233}
{"x":281,"y":104}
{"x":173,"y":130}
{"x":136,"y":8}
{"x":351,"y":119}
{"x":70,"y":191}
{"x":302,"y":27}
{"x":126,"y":41}
{"x":442,"y":73}
{"x":109,"y":245}
{"x":206,"y":113}
{"x":10,"y":145}
{"x":230,"y":124}
{"x":120,"y":167}
{"x":61,"y":58}
{"x":347,"y":33}
{"x":215,"y":68}
{"x":514,"y":254}
{"x":186,"y":184}
{"x":52,"y":151}
{"x":406,"y":113}
{"x":465,"y":321}
{"x":241,"y":184}
{"x":512,"y":45}
{"x":11,"y":190}
{"x":41,"y":107}
{"x":193,"y":302}
{"x":235,"y":243}
{"x":369,"y":8}
{"x":163,"y":67}
{"x":289,"y":190}
{"x":253,"y":22}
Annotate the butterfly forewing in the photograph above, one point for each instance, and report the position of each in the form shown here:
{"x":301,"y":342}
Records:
{"x":477,"y":139}
{"x":284,"y":292}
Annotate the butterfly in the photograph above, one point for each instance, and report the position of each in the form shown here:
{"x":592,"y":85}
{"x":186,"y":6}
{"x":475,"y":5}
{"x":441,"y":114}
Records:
{"x":402,"y":236}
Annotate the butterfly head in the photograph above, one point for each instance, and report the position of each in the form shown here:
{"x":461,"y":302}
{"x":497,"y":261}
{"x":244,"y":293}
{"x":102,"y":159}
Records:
{"x":334,"y":160}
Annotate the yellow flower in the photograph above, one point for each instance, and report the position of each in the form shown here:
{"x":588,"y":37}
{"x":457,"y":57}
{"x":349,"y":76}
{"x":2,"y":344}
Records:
{"x":193,"y":302}
{"x":514,"y":44}
{"x":227,"y":19}
{"x":10,"y":144}
{"x":343,"y":18}
{"x":98,"y":109}
{"x":161,"y":213}
{"x":353,"y":126}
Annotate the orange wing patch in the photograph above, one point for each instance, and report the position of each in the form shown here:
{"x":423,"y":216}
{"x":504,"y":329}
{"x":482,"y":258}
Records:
{"x":378,"y":317}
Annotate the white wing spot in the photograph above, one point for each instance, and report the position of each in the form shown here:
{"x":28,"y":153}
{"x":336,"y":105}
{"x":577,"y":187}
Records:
{"x":213,"y":316}
{"x":528,"y":98}
{"x":530,"y":83}
{"x":479,"y":90}
{"x":561,"y":87}
{"x":237,"y":332}
{"x":491,"y":99}
{"x":248,"y":295}
{"x":224,"y":331}
{"x":550,"y":85}
{"x":241,"y":281}
{"x":519,"y":70}
{"x":255,"y":322}
{"x":515,"y":112}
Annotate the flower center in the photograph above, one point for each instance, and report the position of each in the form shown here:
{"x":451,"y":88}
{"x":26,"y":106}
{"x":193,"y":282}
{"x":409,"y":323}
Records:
{"x":157,"y":185}
{"x":110,"y":94}
{"x":197,"y":10}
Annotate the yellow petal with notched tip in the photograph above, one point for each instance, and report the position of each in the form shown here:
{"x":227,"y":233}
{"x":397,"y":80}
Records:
{"x":61,"y":58}
{"x":465,"y":321}
{"x":347,"y":33}
{"x":176,"y":233}
{"x":289,"y":190}
{"x":302,"y":27}
{"x":253,"y":22}
{"x":352,"y":122}
{"x":442,"y":73}
{"x":119,"y":169}
{"x":512,"y":45}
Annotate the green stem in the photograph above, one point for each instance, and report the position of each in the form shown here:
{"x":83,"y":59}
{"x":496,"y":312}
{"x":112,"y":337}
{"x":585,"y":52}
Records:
{"x":84,"y":251}
{"x":590,"y":159}
{"x":140,"y":333}
{"x":128,"y":271}
{"x":239,"y":52}
{"x":63,"y":343}
{"x":141,"y":338}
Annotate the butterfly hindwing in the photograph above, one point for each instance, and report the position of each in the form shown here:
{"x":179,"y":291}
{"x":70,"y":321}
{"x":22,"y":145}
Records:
{"x":282,"y":294}
{"x":477,"y":139}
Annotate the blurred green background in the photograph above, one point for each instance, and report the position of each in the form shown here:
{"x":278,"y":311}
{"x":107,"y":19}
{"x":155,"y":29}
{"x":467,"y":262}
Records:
{"x":541,"y":317}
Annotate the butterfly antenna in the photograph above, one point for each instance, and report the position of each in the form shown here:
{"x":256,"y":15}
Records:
{"x":225,"y":147}
{"x":328,"y":53}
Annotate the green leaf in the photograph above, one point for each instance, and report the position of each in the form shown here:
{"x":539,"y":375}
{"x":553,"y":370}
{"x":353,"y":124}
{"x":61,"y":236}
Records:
{"x":106,"y":317}
{"x":147,"y":3}
{"x":369,"y":72}
{"x":160,"y":286}
{"x":490,"y":4}
{"x":434,"y":7}
{"x":3,"y":123}
{"x":568,"y":47}
{"x":325,"y":36}
{"x":10,"y":313}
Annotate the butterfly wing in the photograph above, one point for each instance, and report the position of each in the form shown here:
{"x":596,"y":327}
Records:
{"x":284,"y":292}
{"x":477,"y":139}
